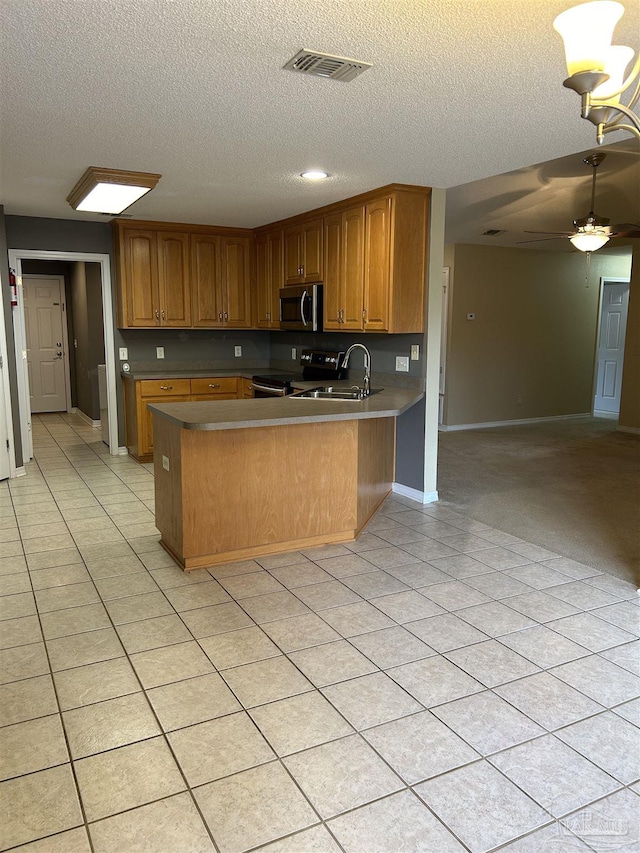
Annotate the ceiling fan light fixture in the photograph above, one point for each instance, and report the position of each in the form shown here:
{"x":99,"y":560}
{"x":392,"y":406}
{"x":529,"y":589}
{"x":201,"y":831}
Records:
{"x":110,"y":191}
{"x":589,"y":242}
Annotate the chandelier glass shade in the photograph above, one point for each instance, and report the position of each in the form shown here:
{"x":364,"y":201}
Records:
{"x":597,"y":68}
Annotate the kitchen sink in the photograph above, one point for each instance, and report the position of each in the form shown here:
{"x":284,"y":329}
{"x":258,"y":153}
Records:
{"x":331,"y":393}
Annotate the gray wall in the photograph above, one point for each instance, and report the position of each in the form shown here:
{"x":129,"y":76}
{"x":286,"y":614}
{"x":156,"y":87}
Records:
{"x":88,"y":341}
{"x":8,"y":322}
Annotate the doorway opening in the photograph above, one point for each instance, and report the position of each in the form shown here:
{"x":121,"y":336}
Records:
{"x":16,"y":259}
{"x":609,"y":361}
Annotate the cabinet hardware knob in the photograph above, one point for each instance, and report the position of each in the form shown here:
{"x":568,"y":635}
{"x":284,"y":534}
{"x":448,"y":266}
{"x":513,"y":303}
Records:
{"x":213,"y":385}
{"x":226,"y":316}
{"x":166,"y":387}
{"x":157,"y":315}
{"x":163,"y":316}
{"x":220,"y":316}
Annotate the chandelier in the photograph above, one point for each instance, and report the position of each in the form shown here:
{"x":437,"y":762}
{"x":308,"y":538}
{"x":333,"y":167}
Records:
{"x":597,"y":68}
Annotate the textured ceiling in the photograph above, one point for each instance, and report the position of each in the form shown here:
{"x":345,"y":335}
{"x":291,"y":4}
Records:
{"x":460,"y":90}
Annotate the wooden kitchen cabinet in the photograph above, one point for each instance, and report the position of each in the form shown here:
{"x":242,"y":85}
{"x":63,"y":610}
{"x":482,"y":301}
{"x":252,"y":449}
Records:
{"x":235,"y":281}
{"x":153,"y":274}
{"x":303,"y":252}
{"x":176,"y":276}
{"x":344,"y":270}
{"x":215,"y":388}
{"x":138,"y":419}
{"x":221,"y":281}
{"x":395,"y":271}
{"x":269,"y":278}
{"x":139,"y":393}
{"x":375,"y":264}
{"x":245,"y":389}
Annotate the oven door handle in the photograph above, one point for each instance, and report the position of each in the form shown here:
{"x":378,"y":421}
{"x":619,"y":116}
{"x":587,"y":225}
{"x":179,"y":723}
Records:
{"x":302,"y":317}
{"x":269,"y":389}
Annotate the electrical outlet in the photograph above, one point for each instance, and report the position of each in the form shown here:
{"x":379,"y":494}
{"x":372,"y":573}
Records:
{"x":159,"y":352}
{"x":294,"y":353}
{"x":402,"y":363}
{"x":237,"y":351}
{"x":519,"y":400}
{"x":415,"y":352}
{"x":123,"y":353}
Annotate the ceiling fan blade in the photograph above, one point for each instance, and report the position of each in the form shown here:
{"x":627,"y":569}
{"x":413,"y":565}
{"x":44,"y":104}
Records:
{"x":539,"y":239}
{"x":557,"y":233}
{"x":626,"y":229}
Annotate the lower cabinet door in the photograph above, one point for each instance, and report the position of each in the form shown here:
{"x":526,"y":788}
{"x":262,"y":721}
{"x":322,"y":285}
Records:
{"x":145,"y":425}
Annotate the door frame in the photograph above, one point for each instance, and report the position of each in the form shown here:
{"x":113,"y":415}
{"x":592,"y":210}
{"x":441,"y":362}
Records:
{"x":604,"y":280}
{"x":16,"y":256}
{"x":6,"y":433}
{"x":65,"y":334}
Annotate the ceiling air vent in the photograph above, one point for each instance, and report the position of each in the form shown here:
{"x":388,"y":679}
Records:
{"x":325,"y":65}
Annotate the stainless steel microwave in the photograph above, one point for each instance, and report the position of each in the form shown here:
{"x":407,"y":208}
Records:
{"x":301,"y":308}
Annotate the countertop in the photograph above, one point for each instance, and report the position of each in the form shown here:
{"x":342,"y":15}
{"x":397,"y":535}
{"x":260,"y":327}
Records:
{"x":245,"y":414}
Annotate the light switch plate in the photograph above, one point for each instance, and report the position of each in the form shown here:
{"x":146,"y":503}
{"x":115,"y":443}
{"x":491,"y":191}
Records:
{"x":165,"y":462}
{"x":237,"y":351}
{"x":402,"y":363}
{"x":159,"y":352}
{"x":293,"y":353}
{"x":415,"y":352}
{"x":123,"y":353}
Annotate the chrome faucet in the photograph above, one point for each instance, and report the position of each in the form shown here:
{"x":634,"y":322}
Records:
{"x":366,"y":389}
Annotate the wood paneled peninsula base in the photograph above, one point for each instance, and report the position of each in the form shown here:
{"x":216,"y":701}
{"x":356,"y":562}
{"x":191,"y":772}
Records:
{"x":246,"y":478}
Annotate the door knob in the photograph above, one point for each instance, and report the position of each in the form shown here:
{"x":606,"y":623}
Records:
{"x":58,"y":343}
{"x":58,"y":354}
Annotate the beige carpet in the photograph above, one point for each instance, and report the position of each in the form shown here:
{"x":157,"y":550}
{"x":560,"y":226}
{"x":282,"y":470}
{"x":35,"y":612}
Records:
{"x":571,"y":486}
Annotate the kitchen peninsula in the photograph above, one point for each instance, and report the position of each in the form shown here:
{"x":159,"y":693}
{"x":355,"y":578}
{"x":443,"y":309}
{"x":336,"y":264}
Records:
{"x":239,"y":479}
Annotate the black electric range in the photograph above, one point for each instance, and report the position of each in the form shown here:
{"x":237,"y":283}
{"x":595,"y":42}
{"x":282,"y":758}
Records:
{"x":317,"y":365}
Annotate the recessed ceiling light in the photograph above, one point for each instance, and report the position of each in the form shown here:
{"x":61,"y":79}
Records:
{"x":314,"y":175}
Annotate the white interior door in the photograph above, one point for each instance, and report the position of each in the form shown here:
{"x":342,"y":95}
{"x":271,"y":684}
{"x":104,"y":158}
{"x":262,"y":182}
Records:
{"x":45,"y":326}
{"x":613,"y":325}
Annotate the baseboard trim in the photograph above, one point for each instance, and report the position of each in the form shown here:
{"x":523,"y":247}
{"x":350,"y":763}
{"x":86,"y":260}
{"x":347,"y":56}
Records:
{"x":20,"y":472}
{"x":415,"y":494}
{"x":610,"y":416}
{"x":84,"y":417}
{"x":487,"y":424}
{"x":123,"y":451}
{"x":631,"y":430}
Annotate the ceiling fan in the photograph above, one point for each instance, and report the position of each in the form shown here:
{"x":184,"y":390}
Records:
{"x":591,"y":232}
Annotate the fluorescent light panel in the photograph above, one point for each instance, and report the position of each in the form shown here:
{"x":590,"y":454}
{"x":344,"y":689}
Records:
{"x":110,"y":190}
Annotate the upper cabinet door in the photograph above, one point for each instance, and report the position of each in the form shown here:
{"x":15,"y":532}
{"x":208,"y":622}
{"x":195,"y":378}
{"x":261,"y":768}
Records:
{"x":139,"y":278}
{"x":262,"y":295}
{"x":236,"y":281}
{"x":206,"y":294}
{"x":293,"y":255}
{"x":377,"y":270}
{"x":333,"y":295}
{"x":173,"y":278}
{"x":303,"y":252}
{"x":312,"y":251}
{"x":353,"y":267}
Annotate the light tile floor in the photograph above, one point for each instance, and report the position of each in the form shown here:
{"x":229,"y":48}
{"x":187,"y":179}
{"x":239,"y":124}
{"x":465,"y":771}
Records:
{"x":435,"y":686}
